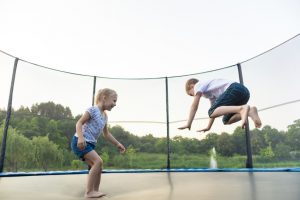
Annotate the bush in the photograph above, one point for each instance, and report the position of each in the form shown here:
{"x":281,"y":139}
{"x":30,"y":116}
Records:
{"x":267,"y":153}
{"x":77,"y":164}
{"x":282,"y":151}
{"x":295,"y":155}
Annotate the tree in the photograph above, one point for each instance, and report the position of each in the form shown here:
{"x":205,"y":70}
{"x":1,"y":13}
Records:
{"x":209,"y":142}
{"x":258,"y":141}
{"x":148,"y":143}
{"x":130,"y":155}
{"x":55,"y":136}
{"x":267,"y":153}
{"x":51,"y":110}
{"x":225,"y":145}
{"x":38,"y":126}
{"x":293,"y":136}
{"x":66,"y":128}
{"x":125,"y":137}
{"x":176,"y":145}
{"x":239,"y":141}
{"x":2,"y":116}
{"x":272,"y":136}
{"x":46,"y":153}
{"x":18,"y":150}
{"x":282,"y":151}
{"x":161,"y":145}
{"x":192,"y":145}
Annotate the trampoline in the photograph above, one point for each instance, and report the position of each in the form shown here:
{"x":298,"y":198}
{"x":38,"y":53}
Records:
{"x":196,"y":184}
{"x":161,"y":184}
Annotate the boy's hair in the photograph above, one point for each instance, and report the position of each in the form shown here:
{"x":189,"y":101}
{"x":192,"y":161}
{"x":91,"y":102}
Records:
{"x":104,"y":92}
{"x":189,"y":82}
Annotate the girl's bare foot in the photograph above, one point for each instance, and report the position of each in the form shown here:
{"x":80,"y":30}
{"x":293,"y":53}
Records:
{"x":94,"y":194}
{"x":253,"y":114}
{"x":244,"y":115}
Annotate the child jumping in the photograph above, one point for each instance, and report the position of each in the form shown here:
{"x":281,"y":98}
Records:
{"x":88,"y":129}
{"x":228,"y":99}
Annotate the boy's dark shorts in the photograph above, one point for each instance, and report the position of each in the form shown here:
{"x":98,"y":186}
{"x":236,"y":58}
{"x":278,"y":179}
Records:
{"x":80,"y":153}
{"x":235,"y":95}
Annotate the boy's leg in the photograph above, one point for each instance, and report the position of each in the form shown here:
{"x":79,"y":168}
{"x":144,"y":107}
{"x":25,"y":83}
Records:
{"x":231,"y":119}
{"x":242,"y":112}
{"x":233,"y":104}
{"x":253,"y":114}
{"x":94,"y":176}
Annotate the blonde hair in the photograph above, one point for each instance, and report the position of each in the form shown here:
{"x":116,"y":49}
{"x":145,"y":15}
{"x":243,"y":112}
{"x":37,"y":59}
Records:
{"x":189,"y":82}
{"x":104,"y":92}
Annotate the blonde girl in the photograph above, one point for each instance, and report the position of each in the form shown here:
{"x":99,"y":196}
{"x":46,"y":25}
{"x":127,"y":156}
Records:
{"x":88,"y":129}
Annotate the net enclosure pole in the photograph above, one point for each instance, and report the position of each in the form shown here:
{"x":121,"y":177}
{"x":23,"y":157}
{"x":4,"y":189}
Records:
{"x":94,"y":90}
{"x":168,"y":123}
{"x":8,"y":115}
{"x":249,"y":162}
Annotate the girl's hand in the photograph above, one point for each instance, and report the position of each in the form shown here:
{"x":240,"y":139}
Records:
{"x":121,"y":148}
{"x":184,"y":127}
{"x":81,"y":143}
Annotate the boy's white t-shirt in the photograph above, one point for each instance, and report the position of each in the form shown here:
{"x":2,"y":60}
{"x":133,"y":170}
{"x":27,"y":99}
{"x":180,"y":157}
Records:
{"x":212,"y":89}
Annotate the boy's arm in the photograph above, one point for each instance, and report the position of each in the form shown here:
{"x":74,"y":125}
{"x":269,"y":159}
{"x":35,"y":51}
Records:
{"x":209,"y":125}
{"x":210,"y":122}
{"x":193,"y":111}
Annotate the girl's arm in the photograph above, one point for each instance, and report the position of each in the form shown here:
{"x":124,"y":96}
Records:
{"x":113,"y":140}
{"x":81,"y":141}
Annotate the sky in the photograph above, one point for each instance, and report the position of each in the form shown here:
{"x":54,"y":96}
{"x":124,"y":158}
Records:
{"x":139,"y":38}
{"x":142,"y":39}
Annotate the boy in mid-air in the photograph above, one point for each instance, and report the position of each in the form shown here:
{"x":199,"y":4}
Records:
{"x":228,"y":99}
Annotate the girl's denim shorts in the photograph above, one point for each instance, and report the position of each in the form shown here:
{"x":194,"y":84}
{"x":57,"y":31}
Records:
{"x":235,"y":95}
{"x":80,"y":153}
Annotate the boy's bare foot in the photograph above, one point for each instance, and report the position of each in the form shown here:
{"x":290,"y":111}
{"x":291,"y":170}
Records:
{"x":94,"y":194}
{"x":244,"y":115}
{"x":253,"y":114}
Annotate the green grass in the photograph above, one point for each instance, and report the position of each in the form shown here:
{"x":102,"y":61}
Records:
{"x":189,"y":161}
{"x":159,"y":161}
